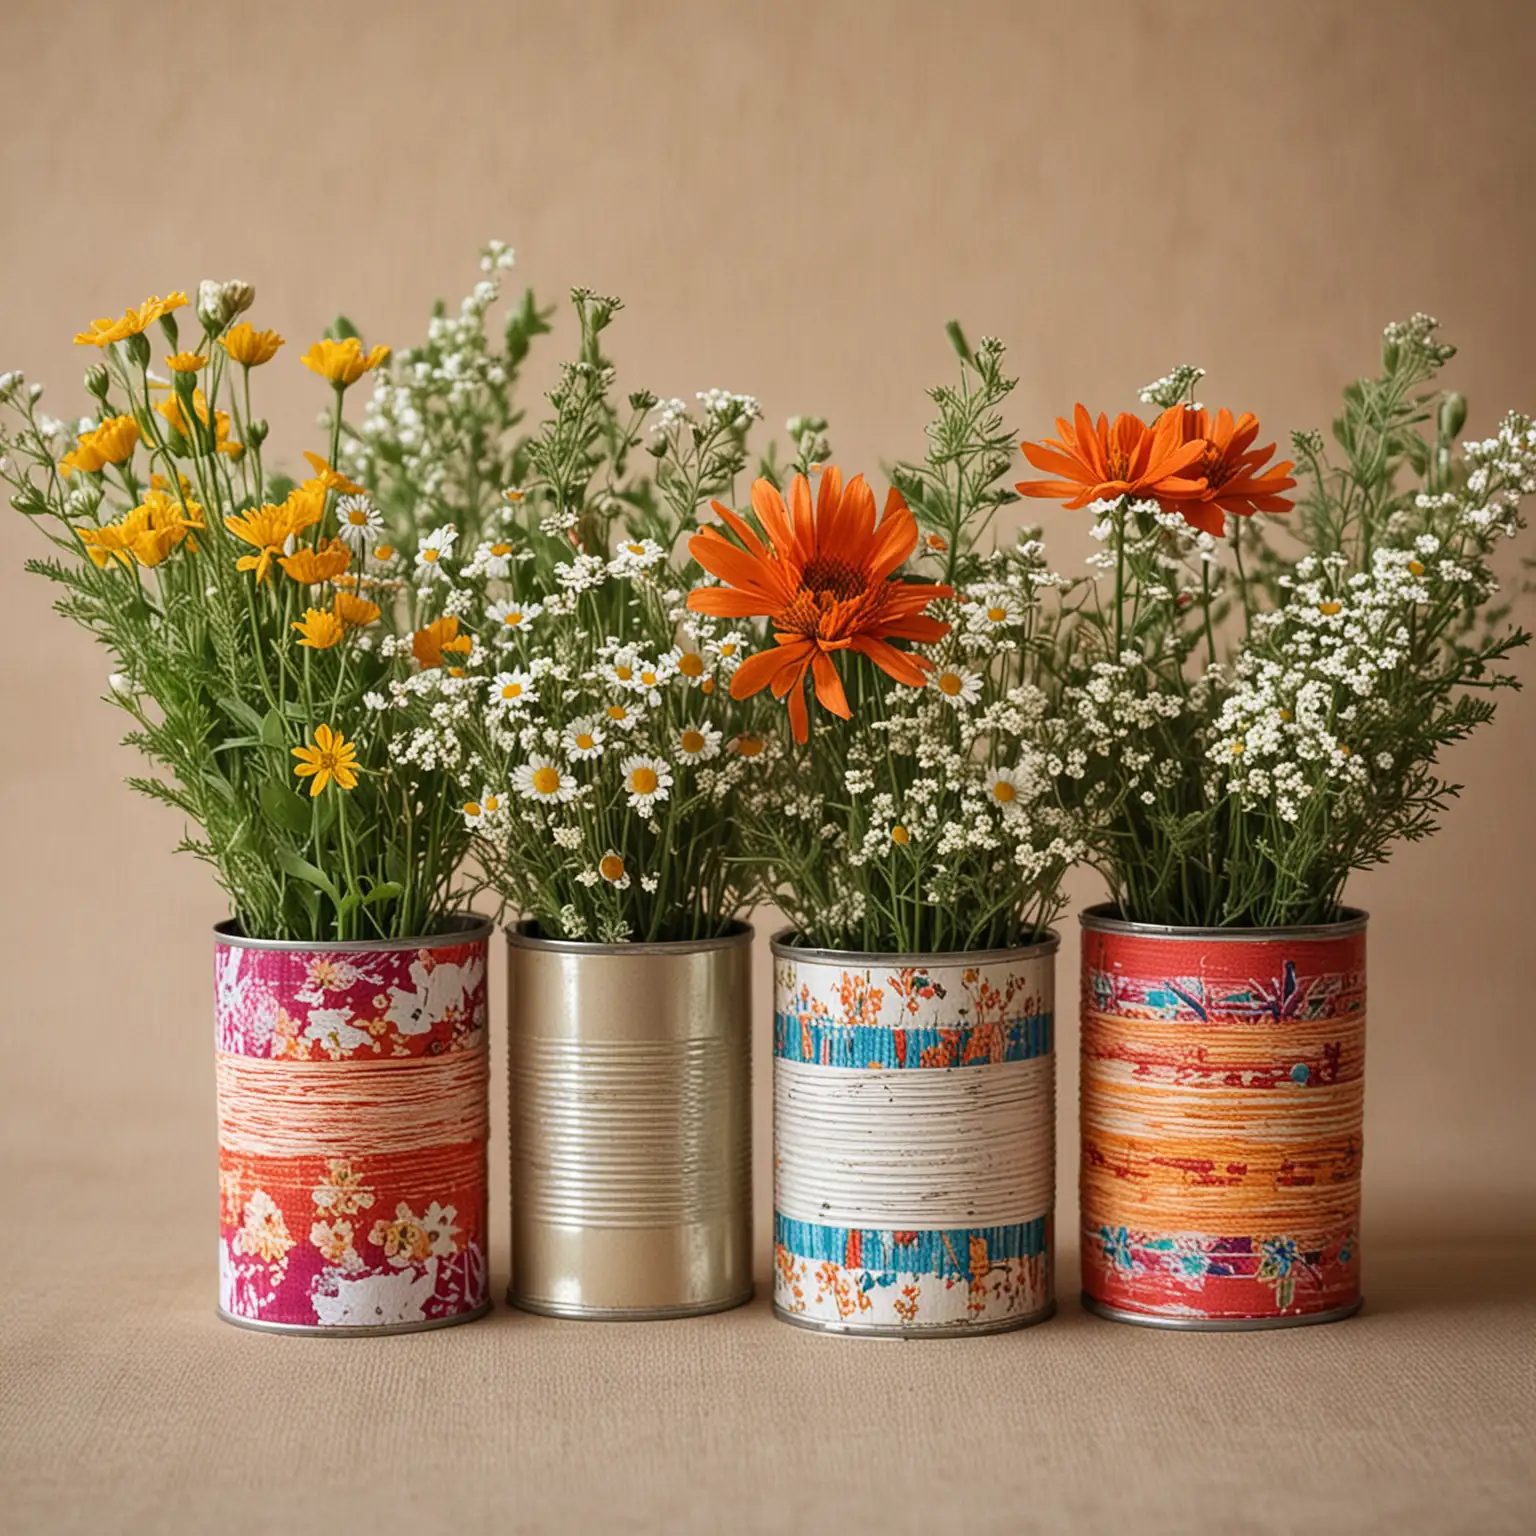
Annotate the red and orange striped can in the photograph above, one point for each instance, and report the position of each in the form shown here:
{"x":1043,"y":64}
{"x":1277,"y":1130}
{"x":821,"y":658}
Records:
{"x":1223,"y":1090}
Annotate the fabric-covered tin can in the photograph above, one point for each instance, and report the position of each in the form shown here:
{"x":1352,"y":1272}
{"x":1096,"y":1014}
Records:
{"x":1223,"y":1092}
{"x":914,"y":1140}
{"x":352,"y":1106}
{"x":631,"y":1125}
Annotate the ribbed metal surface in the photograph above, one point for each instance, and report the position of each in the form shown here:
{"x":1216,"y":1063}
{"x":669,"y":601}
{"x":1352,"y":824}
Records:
{"x":630,"y":1127}
{"x":625,"y":1134}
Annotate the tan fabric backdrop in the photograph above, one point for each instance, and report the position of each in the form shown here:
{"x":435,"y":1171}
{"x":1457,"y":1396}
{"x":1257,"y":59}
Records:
{"x":792,"y":199}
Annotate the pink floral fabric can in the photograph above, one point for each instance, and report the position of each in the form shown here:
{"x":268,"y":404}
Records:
{"x":352,"y":1109}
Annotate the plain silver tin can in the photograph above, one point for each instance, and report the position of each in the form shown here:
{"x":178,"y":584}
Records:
{"x":630,"y":1125}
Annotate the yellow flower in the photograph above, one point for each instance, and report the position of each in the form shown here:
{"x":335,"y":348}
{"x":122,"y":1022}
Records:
{"x":186,"y":362}
{"x":103,"y":332}
{"x":355,"y":612}
{"x":331,"y":479}
{"x":1328,"y":609}
{"x":331,"y":757}
{"x":268,"y":528}
{"x":147,"y":534}
{"x":343,"y":362}
{"x":110,"y":443}
{"x":314,"y":565}
{"x":171,"y":409}
{"x":429,"y":644}
{"x":900,"y":835}
{"x":320,"y":630}
{"x":611,"y":868}
{"x":104,"y":543}
{"x":246,"y":345}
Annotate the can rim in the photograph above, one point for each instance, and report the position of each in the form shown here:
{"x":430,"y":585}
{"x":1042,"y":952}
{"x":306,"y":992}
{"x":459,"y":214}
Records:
{"x":520,"y":936}
{"x":783,"y":946}
{"x":457,"y":928}
{"x":1102,"y":919}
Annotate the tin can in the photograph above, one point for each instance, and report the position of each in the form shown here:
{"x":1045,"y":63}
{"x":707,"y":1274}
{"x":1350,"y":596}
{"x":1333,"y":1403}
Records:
{"x":352,"y":1107}
{"x":914,"y":1140}
{"x":631,"y":1125}
{"x":1223,"y":1089}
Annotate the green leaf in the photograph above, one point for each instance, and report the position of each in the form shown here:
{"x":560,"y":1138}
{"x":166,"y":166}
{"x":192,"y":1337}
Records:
{"x":301,"y":869}
{"x":241,"y":713}
{"x":284,"y":808}
{"x":385,"y":890}
{"x":273,"y":731}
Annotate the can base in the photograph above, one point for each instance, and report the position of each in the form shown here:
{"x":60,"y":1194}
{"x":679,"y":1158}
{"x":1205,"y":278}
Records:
{"x":1219,"y":1324}
{"x":935,"y":1331}
{"x":371,"y":1330}
{"x":574,"y":1312}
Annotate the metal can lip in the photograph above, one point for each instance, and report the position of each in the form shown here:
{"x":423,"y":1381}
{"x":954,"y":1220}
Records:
{"x":784,"y":947}
{"x":457,"y":928}
{"x":522,"y":935}
{"x":1102,"y":919}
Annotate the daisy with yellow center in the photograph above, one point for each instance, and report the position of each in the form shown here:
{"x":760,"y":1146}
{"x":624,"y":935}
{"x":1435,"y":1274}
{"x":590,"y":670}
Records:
{"x":689,"y":664}
{"x":611,"y":868}
{"x":513,"y":690}
{"x":331,"y":757}
{"x":514,"y":616}
{"x":647,"y":780}
{"x":900,"y":836}
{"x":543,"y":780}
{"x":958,"y":688}
{"x":1003,"y":789}
{"x":186,"y":362}
{"x":384,"y":554}
{"x":436,"y":547}
{"x":1328,"y":609}
{"x":250,"y":347}
{"x":514,"y":495}
{"x":584,"y":738}
{"x":699,"y":743}
{"x":320,"y":629}
{"x":622,"y":716}
{"x":343,"y":363}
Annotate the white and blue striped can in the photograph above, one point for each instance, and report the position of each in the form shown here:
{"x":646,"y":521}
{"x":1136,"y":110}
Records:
{"x":914,"y":1140}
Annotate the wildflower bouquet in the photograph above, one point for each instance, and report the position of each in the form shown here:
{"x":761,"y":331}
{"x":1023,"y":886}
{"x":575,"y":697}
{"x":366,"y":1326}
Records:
{"x":925,"y":816}
{"x":562,"y":685}
{"x":246,"y":616}
{"x":1264,"y":720}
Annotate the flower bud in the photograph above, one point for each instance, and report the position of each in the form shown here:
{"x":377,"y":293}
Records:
{"x":171,"y":331}
{"x":138,"y":350}
{"x":97,"y":381}
{"x":219,"y":303}
{"x":238,"y":296}
{"x":256,"y":432}
{"x":1453,"y":416}
{"x":9,"y":382}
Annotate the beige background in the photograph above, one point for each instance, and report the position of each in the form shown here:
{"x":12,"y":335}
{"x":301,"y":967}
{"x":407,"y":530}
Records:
{"x":792,"y":199}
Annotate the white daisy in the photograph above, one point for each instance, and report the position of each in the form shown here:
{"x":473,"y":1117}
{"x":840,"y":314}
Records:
{"x":997,"y":612}
{"x":611,"y":868}
{"x":959,"y":688}
{"x":542,"y":780}
{"x":513,"y":690}
{"x":434,"y":549}
{"x":648,"y":678}
{"x":688,"y":664}
{"x":493,"y":559}
{"x":359,"y":521}
{"x":382,"y":554}
{"x":699,"y":743}
{"x":584,"y":737}
{"x":622,"y":668}
{"x":635,"y":555}
{"x":729,"y":650}
{"x":648,"y":780}
{"x":1003,"y":790}
{"x":511,"y":617}
{"x":623,"y":717}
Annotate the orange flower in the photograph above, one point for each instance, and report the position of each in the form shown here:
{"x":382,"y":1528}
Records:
{"x":331,"y":479}
{"x":250,"y":347}
{"x":103,"y":332}
{"x":1235,"y":478}
{"x":320,"y":630}
{"x":1103,"y":463}
{"x":824,"y":579}
{"x":171,"y":409}
{"x":343,"y":362}
{"x":268,"y":528}
{"x":315,"y":565}
{"x":110,"y":443}
{"x":355,"y":612}
{"x":429,"y":644}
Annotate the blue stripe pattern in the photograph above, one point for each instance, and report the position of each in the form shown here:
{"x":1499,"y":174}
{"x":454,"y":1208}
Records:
{"x":874,"y":1045}
{"x":942,"y":1253}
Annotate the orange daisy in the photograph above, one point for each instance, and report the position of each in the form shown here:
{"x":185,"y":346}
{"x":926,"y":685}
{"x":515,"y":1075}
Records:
{"x":1100,"y":462}
{"x":824,"y":580}
{"x":1235,"y":478}
{"x":441,"y":635}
